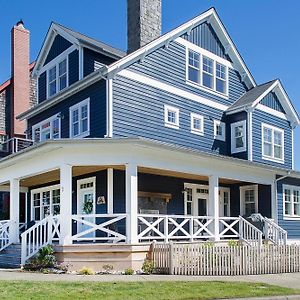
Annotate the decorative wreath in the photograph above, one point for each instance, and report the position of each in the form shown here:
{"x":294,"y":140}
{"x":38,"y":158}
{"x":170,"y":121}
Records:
{"x":88,"y":206}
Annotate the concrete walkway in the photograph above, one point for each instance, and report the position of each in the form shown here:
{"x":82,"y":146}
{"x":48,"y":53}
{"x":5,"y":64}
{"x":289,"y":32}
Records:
{"x":291,"y":280}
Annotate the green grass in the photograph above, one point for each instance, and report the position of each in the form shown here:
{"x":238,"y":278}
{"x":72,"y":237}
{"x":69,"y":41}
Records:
{"x":137,"y":290}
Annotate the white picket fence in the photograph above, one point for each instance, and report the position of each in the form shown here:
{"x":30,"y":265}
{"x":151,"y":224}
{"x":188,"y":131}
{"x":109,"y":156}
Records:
{"x":224,"y":260}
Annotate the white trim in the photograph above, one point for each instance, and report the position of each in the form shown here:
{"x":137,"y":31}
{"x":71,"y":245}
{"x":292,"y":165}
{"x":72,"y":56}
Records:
{"x":110,"y":190}
{"x":195,"y":130}
{"x":271,"y":158}
{"x":223,"y":126}
{"x":82,"y":181}
{"x":6,"y":188}
{"x":194,"y":207}
{"x":81,"y":62}
{"x":174,"y":125}
{"x":172,"y":89}
{"x":39,"y":125}
{"x":242,"y":197}
{"x":250,"y":135}
{"x":233,"y":138}
{"x":292,"y":188}
{"x":271,"y":111}
{"x":109,"y":108}
{"x":293,"y":150}
{"x":78,"y":107}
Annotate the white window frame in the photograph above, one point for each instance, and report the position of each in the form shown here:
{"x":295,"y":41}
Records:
{"x":223,"y":126}
{"x":174,"y":125}
{"x":40,"y":125}
{"x":40,"y":191}
{"x":272,"y":157}
{"x":216,"y":59}
{"x":78,"y":106}
{"x":292,"y":188}
{"x":233,"y":138}
{"x":242,"y":197}
{"x":201,"y":119}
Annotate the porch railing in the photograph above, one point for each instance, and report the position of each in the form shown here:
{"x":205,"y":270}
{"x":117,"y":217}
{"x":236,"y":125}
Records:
{"x":15,"y":145}
{"x":250,"y":234}
{"x":274,"y":233}
{"x":5,"y":239}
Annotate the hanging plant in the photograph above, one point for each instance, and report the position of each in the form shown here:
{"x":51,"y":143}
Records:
{"x":88,"y":206}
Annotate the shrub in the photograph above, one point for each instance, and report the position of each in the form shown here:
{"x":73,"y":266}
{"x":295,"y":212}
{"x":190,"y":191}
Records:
{"x":86,"y":271}
{"x":209,"y":244}
{"x":233,"y":243}
{"x":128,"y":271}
{"x":43,"y":259}
{"x":148,"y":266}
{"x":107,"y":268}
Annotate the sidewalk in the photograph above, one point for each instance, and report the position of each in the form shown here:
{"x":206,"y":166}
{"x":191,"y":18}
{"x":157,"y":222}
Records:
{"x":290,"y":280}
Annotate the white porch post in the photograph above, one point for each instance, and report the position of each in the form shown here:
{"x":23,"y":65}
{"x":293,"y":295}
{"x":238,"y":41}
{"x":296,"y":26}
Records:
{"x":14,"y":209}
{"x":131,"y":203}
{"x":213,"y":206}
{"x":110,"y":191}
{"x":65,"y":204}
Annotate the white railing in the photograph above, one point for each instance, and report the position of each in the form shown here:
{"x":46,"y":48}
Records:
{"x":174,"y":227}
{"x":100,"y":227}
{"x":15,"y":145}
{"x":250,"y":234}
{"x":38,"y":236}
{"x":229,"y":227}
{"x":5,"y":240}
{"x":274,"y":233}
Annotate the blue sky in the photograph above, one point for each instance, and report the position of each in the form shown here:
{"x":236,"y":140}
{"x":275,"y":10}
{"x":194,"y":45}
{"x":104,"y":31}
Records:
{"x":265,"y":32}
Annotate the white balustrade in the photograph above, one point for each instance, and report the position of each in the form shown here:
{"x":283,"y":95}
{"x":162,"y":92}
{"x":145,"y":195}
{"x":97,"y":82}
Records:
{"x":229,"y":227}
{"x":250,"y":234}
{"x":5,"y":240}
{"x":274,"y":233}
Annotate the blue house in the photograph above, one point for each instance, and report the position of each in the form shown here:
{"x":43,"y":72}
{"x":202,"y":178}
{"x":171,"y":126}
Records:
{"x":172,"y":141}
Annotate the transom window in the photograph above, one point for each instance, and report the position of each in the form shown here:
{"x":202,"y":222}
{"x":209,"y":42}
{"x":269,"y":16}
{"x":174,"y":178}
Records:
{"x":291,"y":199}
{"x":273,"y":143}
{"x":207,"y":72}
{"x":57,"y":77}
{"x":171,"y":117}
{"x":219,"y":130}
{"x":47,"y":129}
{"x":45,"y":202}
{"x":80,"y":119}
{"x":238,"y":137}
{"x":197,"y":124}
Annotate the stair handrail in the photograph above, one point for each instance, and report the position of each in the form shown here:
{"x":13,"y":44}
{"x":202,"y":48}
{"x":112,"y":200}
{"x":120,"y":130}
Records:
{"x":38,"y":236}
{"x":250,"y":234}
{"x":274,"y":233}
{"x":5,"y":239}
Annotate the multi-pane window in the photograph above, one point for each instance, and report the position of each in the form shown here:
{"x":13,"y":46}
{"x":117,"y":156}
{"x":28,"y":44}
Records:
{"x":197,"y":124}
{"x":45,"y":202}
{"x":226,"y":204}
{"x":206,"y":72}
{"x":249,"y":203}
{"x":57,"y":77}
{"x":291,"y":198}
{"x":171,"y":117}
{"x":189,"y":201}
{"x":273,"y":143}
{"x":219,"y":130}
{"x":48,"y":129}
{"x":238,"y":137}
{"x":80,"y":119}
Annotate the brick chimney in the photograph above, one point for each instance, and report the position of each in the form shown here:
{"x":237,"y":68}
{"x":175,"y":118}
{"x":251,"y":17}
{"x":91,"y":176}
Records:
{"x":143,"y":22}
{"x":20,"y":77}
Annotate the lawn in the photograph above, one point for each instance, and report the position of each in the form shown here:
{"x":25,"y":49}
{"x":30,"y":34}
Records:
{"x":136,"y":290}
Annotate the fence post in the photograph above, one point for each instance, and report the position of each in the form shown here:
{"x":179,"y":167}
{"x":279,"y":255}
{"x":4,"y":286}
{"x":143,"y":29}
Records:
{"x":171,"y":262}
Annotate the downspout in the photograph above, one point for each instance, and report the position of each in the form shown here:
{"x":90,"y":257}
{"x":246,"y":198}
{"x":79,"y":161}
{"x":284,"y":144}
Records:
{"x":249,"y":112}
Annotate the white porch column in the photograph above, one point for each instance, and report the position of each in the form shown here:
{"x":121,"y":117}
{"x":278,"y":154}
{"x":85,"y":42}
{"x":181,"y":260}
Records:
{"x":213,"y":205}
{"x":131,"y":203}
{"x":14,"y":209}
{"x":65,"y":204}
{"x":110,"y":191}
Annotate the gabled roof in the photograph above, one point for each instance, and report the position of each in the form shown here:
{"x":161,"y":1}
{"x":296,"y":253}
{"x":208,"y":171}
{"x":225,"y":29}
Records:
{"x":210,"y":16}
{"x":252,"y":98}
{"x":77,"y":39}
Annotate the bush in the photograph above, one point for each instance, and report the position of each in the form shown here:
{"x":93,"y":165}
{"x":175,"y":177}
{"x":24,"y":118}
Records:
{"x":233,"y":243}
{"x":86,"y":271}
{"x":129,"y":271}
{"x":43,"y":259}
{"x":148,"y":266}
{"x":107,"y":268}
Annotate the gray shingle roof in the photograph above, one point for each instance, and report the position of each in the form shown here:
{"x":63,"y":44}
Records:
{"x":92,"y":42}
{"x":249,"y":97}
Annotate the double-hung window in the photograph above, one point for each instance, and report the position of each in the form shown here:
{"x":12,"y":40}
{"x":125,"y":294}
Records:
{"x":219,"y":130}
{"x":47,"y":129}
{"x":291,"y":199}
{"x":171,"y":117}
{"x":194,"y":66}
{"x":220,"y":78}
{"x":208,"y":72}
{"x":197,"y":124}
{"x":272,"y":143}
{"x":80,"y":119}
{"x":238,"y":137}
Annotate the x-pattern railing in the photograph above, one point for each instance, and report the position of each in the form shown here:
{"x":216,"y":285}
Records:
{"x":4,"y":234}
{"x":227,"y":225}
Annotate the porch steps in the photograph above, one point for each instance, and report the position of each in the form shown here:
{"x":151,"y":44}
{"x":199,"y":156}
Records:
{"x":10,"y":258}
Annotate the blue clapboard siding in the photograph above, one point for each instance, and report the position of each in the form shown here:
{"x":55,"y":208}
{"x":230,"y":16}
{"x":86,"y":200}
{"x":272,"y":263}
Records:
{"x":292,"y":226}
{"x":97,"y":94}
{"x":205,"y":37}
{"x":169,"y":66}
{"x":138,"y":110}
{"x":59,"y":45}
{"x":260,"y":117}
{"x":271,"y":100}
{"x":93,"y":59}
{"x":42,"y":86}
{"x":73,"y":67}
{"x":241,"y":116}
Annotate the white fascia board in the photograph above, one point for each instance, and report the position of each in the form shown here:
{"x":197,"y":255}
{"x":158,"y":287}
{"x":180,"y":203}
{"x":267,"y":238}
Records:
{"x":265,"y":93}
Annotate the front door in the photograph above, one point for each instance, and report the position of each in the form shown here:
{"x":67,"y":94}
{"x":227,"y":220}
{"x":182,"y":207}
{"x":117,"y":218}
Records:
{"x":196,"y":199}
{"x":86,"y":204}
